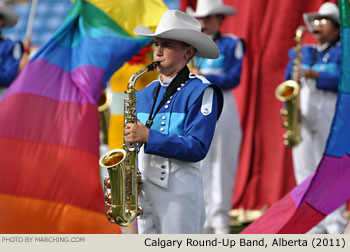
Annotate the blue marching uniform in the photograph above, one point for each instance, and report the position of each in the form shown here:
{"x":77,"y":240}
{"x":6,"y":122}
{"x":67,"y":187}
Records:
{"x":317,"y":104}
{"x":224,"y":71}
{"x":10,"y":56}
{"x":180,"y":136}
{"x":326,"y":63}
{"x":220,"y":165}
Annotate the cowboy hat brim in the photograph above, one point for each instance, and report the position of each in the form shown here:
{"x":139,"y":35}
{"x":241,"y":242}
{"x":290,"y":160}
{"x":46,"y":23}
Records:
{"x":9,"y":15}
{"x":205,"y":46}
{"x":309,"y":17}
{"x":223,"y":9}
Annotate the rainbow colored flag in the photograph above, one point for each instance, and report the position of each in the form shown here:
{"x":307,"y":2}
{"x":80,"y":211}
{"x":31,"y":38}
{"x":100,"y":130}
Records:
{"x":49,"y":123}
{"x":328,"y":187}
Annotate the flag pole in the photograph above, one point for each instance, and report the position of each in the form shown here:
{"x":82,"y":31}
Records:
{"x":31,"y":18}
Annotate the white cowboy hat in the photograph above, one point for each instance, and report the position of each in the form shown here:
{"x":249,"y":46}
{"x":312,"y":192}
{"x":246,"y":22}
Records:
{"x":328,"y":10}
{"x":177,"y":25}
{"x":9,"y":15}
{"x":210,"y":7}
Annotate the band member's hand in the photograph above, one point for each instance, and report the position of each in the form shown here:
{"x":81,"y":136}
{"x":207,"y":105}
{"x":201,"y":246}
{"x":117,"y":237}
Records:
{"x":310,"y":74}
{"x":136,"y":133}
{"x":27,"y":44}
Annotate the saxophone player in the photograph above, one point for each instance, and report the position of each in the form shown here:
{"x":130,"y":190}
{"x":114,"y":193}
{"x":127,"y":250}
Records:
{"x":177,"y":115}
{"x":220,"y":165}
{"x":318,"y":94}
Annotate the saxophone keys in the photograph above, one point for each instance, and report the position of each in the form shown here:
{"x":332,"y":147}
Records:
{"x":139,"y":211}
{"x":109,"y":216}
{"x":131,"y":147}
{"x":139,"y":181}
{"x":108,"y":198}
{"x":284,"y":112}
{"x":107,"y":183}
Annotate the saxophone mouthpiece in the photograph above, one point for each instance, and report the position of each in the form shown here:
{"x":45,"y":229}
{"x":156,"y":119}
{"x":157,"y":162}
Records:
{"x":153,"y":65}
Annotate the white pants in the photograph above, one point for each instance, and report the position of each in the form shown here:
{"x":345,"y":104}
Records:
{"x":317,"y":109}
{"x":178,"y":209}
{"x":220,"y":165}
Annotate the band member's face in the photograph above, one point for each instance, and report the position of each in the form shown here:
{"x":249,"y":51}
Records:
{"x":210,"y":24}
{"x":173,"y":56}
{"x":324,"y":30}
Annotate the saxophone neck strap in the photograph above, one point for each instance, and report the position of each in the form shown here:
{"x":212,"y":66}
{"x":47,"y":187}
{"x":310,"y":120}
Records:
{"x":180,"y":78}
{"x":217,"y":36}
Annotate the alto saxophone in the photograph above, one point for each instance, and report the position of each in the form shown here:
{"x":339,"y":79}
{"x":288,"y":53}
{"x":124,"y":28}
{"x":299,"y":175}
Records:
{"x":288,"y":92}
{"x":122,"y":186}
